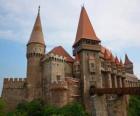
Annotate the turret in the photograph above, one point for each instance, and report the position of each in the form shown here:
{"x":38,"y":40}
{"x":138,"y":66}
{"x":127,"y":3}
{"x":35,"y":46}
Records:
{"x":128,"y":65}
{"x":87,"y":47}
{"x":86,"y":36}
{"x":35,"y":51}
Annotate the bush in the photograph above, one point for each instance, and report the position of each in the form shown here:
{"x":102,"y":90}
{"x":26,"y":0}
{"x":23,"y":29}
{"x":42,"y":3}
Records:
{"x":134,"y":106}
{"x":73,"y":109}
{"x":37,"y":108}
{"x":2,"y":107}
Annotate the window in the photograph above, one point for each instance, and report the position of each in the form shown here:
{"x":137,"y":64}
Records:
{"x":92,"y":65}
{"x":58,"y":77}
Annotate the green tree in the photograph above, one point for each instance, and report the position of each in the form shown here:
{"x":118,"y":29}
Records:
{"x":2,"y":107}
{"x":35,"y":108}
{"x":134,"y":106}
{"x":51,"y":111}
{"x":17,"y":113}
{"x":38,"y":108}
{"x":73,"y":109}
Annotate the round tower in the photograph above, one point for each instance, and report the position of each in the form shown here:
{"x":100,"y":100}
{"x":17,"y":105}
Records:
{"x":35,"y":51}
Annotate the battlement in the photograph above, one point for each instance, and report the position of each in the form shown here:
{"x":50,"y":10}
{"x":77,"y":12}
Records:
{"x":14,"y":82}
{"x":54,"y":57}
{"x":59,"y":85}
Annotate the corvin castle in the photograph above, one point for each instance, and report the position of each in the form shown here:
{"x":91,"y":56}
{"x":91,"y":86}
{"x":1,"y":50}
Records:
{"x":59,"y":79}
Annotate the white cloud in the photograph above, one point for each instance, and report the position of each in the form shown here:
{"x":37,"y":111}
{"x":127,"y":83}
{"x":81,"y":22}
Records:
{"x":117,"y":23}
{"x":114,"y":21}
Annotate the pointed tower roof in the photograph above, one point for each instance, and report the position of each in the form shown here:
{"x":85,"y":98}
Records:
{"x":106,"y":55}
{"x":117,"y":60}
{"x":121,"y":63}
{"x":127,"y":61}
{"x":37,"y":34}
{"x":112,"y":58}
{"x":85,"y":29}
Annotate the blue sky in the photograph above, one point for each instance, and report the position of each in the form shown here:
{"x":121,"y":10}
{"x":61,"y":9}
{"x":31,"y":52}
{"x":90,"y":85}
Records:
{"x":117,"y":24}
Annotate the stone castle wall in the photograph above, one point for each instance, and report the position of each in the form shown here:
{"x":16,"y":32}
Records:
{"x":14,"y":83}
{"x":14,"y":91}
{"x":66,"y":91}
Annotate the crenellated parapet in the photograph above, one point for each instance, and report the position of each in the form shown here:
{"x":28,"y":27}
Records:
{"x":53,"y":57}
{"x":14,"y":83}
{"x":59,"y":85}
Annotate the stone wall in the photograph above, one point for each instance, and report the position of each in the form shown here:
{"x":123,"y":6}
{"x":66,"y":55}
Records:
{"x":14,"y":91}
{"x":66,"y":91}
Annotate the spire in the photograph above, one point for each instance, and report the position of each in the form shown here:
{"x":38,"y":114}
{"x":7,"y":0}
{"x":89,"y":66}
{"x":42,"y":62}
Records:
{"x":85,"y":29}
{"x":106,"y":56}
{"x":127,"y":61}
{"x":112,"y":58}
{"x":121,"y":63}
{"x":37,"y":34}
{"x":117,"y":60}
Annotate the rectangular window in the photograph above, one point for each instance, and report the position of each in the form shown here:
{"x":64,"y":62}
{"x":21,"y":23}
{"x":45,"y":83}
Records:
{"x":58,"y":77}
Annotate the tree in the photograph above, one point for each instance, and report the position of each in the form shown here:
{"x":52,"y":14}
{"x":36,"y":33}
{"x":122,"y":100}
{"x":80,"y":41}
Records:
{"x":134,"y":106}
{"x":73,"y":109}
{"x":51,"y":111}
{"x":2,"y":107}
{"x":33,"y":108}
{"x":38,"y":108}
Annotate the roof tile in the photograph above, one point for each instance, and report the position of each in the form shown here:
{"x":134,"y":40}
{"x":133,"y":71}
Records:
{"x":85,"y":29}
{"x":59,"y":50}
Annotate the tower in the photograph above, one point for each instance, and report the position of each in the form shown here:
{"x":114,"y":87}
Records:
{"x":76,"y":66}
{"x":87,"y":46}
{"x":35,"y":51}
{"x":128,"y":65}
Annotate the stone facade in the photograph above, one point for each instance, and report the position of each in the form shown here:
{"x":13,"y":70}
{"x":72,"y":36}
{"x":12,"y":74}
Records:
{"x":59,"y":79}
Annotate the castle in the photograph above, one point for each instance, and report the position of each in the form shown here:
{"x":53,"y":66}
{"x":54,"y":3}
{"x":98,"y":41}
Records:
{"x":58,"y":78}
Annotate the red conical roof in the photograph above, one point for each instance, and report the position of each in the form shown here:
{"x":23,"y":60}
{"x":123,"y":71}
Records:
{"x":59,"y":50}
{"x":112,"y":58}
{"x":85,"y":29}
{"x":117,"y":60}
{"x":106,"y":55}
{"x":121,"y":63}
{"x":37,"y":34}
{"x":127,"y":61}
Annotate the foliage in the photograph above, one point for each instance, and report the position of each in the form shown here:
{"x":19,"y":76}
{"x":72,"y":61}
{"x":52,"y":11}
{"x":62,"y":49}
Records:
{"x":134,"y":106}
{"x":73,"y":109}
{"x":2,"y":107}
{"x":38,"y":108}
{"x":51,"y":111}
